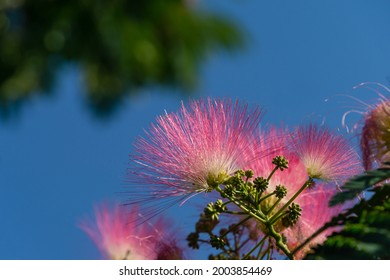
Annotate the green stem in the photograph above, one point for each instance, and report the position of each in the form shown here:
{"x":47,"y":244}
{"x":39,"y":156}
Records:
{"x":257,"y":199}
{"x":226,"y":203}
{"x":272,"y":173}
{"x":305,"y":185}
{"x":252,"y":200}
{"x":279,"y":242}
{"x":249,"y":212}
{"x":260,"y":251}
{"x":254,"y":248}
{"x":273,"y":206}
{"x":235,"y":213}
{"x":244,"y":243}
{"x":269,"y":253}
{"x":278,"y":217}
{"x":265,"y":252}
{"x":244,"y":208}
{"x":265,"y":197}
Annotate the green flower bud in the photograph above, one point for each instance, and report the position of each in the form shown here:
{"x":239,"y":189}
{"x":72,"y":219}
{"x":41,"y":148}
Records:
{"x":260,"y":183}
{"x":281,"y":162}
{"x":280,"y":191}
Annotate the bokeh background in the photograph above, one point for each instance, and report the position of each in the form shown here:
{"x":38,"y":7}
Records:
{"x":80,"y":80}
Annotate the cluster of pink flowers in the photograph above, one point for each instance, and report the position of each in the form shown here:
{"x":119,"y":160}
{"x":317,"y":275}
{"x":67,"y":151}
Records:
{"x":201,"y":146}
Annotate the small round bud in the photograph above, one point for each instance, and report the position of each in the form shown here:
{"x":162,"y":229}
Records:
{"x":239,"y":173}
{"x":280,"y":191}
{"x":249,"y":174}
{"x":192,"y":239}
{"x":293,"y":214}
{"x":205,"y":224}
{"x":219,"y":206}
{"x":260,"y":183}
{"x":217,"y":242}
{"x":229,"y":190}
{"x":213,"y":210}
{"x":281,"y":162}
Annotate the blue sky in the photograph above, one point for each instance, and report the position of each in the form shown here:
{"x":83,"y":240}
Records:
{"x":57,"y":160}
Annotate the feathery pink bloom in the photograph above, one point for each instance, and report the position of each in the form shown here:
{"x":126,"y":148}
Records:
{"x":117,"y":239}
{"x":315,"y":213}
{"x":326,"y":156}
{"x":375,"y":139}
{"x":186,"y":152}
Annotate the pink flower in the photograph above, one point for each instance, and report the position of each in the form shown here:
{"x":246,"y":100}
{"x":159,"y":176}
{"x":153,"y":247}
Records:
{"x":375,"y":140}
{"x":195,"y":149}
{"x":325,"y":155}
{"x":315,"y":213}
{"x":118,"y":239}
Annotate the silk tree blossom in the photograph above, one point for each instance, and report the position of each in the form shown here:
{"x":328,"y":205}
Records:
{"x":118,"y":239}
{"x":374,"y":126}
{"x":325,"y":155}
{"x":375,"y":138}
{"x":194,"y":149}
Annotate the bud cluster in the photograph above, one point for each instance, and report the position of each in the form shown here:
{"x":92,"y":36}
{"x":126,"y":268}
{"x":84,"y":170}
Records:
{"x":262,"y":208}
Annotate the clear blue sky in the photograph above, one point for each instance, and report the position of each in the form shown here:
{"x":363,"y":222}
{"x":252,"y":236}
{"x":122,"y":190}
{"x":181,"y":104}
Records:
{"x":57,"y":160}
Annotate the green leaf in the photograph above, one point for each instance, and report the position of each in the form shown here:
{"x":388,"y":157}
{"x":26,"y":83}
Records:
{"x":359,"y":184}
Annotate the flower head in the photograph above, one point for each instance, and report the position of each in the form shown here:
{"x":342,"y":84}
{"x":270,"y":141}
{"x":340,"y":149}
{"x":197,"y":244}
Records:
{"x":325,"y":155}
{"x":196,"y":148}
{"x":118,"y":239}
{"x":375,"y":140}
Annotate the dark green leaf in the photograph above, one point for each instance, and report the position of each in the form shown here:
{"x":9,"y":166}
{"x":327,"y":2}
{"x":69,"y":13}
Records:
{"x":359,"y":184}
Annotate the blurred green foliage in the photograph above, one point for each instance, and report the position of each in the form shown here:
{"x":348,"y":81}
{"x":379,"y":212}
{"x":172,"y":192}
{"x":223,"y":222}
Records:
{"x":120,"y":45}
{"x":366,"y":225}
